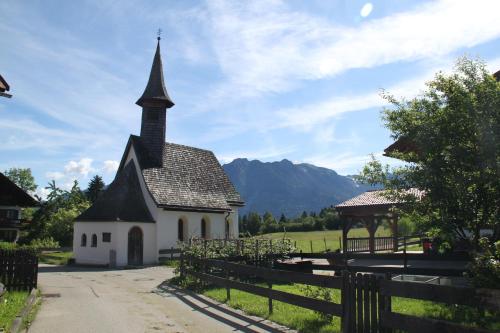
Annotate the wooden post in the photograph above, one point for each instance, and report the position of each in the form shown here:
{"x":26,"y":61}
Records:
{"x":344,"y":300}
{"x":404,"y":254}
{"x":340,"y":243}
{"x":256,"y":252}
{"x":181,"y":266}
{"x":172,"y":253}
{"x":228,"y":290}
{"x":324,"y":240}
{"x":271,"y":256}
{"x":270,"y":299}
{"x":311,"y":246}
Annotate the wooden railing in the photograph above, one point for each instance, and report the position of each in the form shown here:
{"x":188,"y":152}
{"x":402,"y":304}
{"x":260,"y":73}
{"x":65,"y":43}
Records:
{"x":488,"y":299}
{"x":365,"y":299}
{"x":362,"y":244}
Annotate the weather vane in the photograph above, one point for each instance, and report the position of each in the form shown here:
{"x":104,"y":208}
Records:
{"x":159,"y":34}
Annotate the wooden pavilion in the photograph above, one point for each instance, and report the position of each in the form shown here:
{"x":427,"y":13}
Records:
{"x":371,"y":209}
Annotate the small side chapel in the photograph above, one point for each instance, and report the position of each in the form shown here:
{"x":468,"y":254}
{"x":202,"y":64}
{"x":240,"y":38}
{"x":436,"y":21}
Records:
{"x":162,"y":194}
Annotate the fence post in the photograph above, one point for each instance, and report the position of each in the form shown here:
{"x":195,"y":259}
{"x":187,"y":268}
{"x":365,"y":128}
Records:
{"x":344,"y":300}
{"x":256,"y":252}
{"x":270,"y":299}
{"x":324,"y":240}
{"x":172,"y":253}
{"x":181,"y":266}
{"x":311,"y":246}
{"x":404,"y":255}
{"x":228,"y":290}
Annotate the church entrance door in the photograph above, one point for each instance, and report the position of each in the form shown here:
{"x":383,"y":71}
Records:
{"x":135,"y":246}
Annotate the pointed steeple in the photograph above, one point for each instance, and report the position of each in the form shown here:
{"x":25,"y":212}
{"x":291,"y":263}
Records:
{"x":155,"y":92}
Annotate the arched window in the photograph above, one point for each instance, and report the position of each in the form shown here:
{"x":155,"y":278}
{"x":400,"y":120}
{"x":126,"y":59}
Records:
{"x":203,"y":228}
{"x":94,"y":241}
{"x":84,"y":241}
{"x":180,"y":230}
{"x":227,"y":230}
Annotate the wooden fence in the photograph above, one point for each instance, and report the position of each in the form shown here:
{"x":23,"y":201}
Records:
{"x":362,"y":244}
{"x":340,"y":261}
{"x":18,"y":269}
{"x":365,"y":299}
{"x":169,"y":254}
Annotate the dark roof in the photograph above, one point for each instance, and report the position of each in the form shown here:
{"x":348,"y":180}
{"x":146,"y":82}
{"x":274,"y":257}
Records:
{"x":13,"y":195}
{"x":497,"y":75}
{"x":4,"y":86}
{"x":122,"y":200}
{"x":190,"y":178}
{"x":401,"y":145}
{"x":155,"y":90}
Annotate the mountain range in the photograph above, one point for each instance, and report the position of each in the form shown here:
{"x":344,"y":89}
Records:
{"x":288,"y":188}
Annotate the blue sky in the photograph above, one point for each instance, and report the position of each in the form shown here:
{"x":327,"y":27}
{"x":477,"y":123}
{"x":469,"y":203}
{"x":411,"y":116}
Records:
{"x":259,"y":79}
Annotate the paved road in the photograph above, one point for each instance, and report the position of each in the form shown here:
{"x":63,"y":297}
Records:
{"x":136,"y":300}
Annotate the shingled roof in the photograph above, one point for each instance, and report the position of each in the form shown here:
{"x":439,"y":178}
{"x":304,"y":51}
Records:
{"x":122,"y":200}
{"x":190,"y":178}
{"x":374,"y":198}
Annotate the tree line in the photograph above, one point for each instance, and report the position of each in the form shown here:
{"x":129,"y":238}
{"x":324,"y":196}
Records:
{"x":255,"y":224}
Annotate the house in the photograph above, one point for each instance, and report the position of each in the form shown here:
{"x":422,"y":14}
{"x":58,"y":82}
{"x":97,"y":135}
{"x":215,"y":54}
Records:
{"x":162,"y":194}
{"x":12,"y":199}
{"x":4,"y":87}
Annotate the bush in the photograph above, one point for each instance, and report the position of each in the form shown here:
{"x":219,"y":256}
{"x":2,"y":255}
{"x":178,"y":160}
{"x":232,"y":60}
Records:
{"x":485,"y":267}
{"x":44,"y":243}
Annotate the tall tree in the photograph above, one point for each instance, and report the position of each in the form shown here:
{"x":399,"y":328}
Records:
{"x":253,"y":223}
{"x":23,"y":178}
{"x":453,"y":130}
{"x":96,"y":186}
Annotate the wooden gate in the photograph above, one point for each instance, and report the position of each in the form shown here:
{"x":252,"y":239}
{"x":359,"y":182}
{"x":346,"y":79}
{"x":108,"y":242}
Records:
{"x":360,"y":303}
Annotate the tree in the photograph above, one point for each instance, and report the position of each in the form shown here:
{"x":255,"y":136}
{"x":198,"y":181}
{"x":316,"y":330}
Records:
{"x":454,"y":131}
{"x":269,"y":223}
{"x":253,"y":223}
{"x":55,"y":216}
{"x":22,"y":178}
{"x":96,"y":186}
{"x":283,"y":218}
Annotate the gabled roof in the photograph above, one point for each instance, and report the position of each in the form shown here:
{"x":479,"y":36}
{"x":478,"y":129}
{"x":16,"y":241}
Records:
{"x":4,"y":86}
{"x":122,"y":200}
{"x":375,"y":198}
{"x":190,"y":179}
{"x":13,"y":195}
{"x":155,"y":90}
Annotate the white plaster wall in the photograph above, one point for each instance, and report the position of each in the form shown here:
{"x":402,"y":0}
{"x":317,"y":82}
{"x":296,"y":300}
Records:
{"x":119,"y":242}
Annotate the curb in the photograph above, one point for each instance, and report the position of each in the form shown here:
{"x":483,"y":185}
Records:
{"x":17,"y":324}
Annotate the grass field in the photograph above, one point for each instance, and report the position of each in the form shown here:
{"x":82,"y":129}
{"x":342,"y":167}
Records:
{"x":11,"y":305}
{"x":55,"y":258}
{"x":319,"y":238}
{"x":308,"y":321}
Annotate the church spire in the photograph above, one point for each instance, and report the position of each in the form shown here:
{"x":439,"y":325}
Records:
{"x":155,"y":92}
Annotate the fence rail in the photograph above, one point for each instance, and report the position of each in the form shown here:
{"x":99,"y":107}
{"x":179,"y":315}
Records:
{"x":18,"y":269}
{"x":365,"y":299}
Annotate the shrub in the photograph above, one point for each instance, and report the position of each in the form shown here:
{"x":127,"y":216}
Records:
{"x":485,"y":267}
{"x":44,"y":243}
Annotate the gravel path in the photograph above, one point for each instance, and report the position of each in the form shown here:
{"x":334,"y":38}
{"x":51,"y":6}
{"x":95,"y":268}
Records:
{"x":136,"y":300}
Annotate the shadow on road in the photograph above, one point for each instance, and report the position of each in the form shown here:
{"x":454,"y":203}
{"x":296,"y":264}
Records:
{"x":167,"y":289}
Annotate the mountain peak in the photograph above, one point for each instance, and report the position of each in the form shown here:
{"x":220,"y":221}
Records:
{"x":285,"y":187}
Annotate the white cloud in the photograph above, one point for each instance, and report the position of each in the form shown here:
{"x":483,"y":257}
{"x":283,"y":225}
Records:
{"x":110,"y":166}
{"x":54,"y":175}
{"x":265,"y":47}
{"x":366,"y":9}
{"x":79,"y":168}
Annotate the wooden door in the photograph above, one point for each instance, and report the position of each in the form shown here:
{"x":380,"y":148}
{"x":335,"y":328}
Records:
{"x":135,"y":246}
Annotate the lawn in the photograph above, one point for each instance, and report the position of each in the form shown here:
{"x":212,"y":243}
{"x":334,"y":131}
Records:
{"x":55,"y":257}
{"x":11,"y":304}
{"x":308,"y":321}
{"x":319,"y":238}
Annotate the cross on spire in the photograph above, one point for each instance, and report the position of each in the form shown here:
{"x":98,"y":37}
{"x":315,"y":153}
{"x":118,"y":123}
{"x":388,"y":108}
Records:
{"x":159,"y":34}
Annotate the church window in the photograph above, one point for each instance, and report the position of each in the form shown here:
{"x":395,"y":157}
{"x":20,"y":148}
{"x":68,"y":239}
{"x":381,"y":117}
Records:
{"x":204,"y":228}
{"x":84,"y":240}
{"x":180,"y":230}
{"x":94,"y":241}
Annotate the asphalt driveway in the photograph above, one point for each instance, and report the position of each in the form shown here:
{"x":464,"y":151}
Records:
{"x":135,"y":300}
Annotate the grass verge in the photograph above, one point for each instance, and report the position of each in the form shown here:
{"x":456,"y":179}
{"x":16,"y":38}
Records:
{"x":11,"y":304}
{"x":55,"y":257}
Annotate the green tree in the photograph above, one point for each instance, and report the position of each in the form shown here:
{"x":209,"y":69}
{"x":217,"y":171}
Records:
{"x":269,"y":223}
{"x":55,"y":216}
{"x":253,"y":223}
{"x":96,"y":186}
{"x":453,"y":130}
{"x":23,"y":178}
{"x":283,"y":218}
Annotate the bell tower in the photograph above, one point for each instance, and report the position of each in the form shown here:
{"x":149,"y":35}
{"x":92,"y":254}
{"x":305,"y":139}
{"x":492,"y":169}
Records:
{"x":155,"y":102}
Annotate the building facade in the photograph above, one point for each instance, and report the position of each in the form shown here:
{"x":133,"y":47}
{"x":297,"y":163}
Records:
{"x":163,"y":194}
